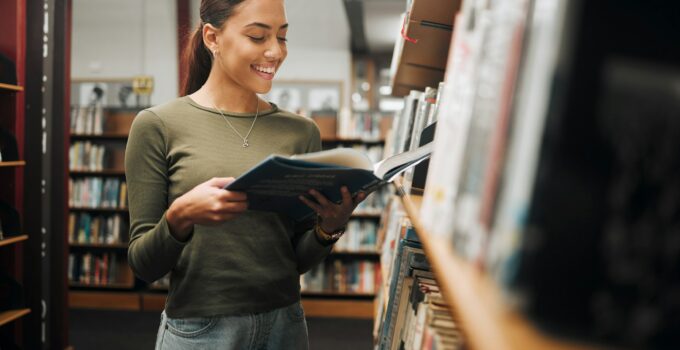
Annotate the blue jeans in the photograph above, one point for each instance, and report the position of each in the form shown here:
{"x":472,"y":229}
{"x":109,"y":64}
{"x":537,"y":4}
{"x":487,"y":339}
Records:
{"x":283,"y":328}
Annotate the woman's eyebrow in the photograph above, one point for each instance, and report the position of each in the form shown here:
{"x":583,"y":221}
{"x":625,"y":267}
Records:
{"x":265,"y":26}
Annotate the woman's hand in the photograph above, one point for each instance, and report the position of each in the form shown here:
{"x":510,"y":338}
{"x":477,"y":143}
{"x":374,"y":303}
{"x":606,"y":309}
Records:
{"x":206,"y":204}
{"x":333,"y":216}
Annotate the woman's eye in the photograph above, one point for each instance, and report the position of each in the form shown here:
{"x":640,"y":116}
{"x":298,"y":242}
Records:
{"x":256,"y":39}
{"x":283,"y":39}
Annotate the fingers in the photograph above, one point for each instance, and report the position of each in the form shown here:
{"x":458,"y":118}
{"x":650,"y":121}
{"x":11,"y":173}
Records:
{"x":359,"y":198}
{"x":233,"y":196}
{"x":220,"y":182}
{"x":320,"y":198}
{"x":346,"y":197}
{"x":316,"y":207}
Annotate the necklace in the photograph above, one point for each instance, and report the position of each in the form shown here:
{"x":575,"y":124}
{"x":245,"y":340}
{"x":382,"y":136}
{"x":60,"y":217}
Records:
{"x":245,"y":139}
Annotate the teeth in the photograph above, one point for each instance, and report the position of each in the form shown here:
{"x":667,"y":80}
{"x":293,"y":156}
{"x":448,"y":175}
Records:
{"x":269,"y":70}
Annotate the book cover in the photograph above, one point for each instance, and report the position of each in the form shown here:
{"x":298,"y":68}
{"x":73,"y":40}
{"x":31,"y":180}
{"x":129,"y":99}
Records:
{"x":276,"y":183}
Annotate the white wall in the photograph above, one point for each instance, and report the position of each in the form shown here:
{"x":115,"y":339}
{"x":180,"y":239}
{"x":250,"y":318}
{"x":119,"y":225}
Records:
{"x":108,"y":42}
{"x":124,"y":38}
{"x":318,"y":42}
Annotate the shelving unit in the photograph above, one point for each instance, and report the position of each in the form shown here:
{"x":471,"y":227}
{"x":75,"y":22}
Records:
{"x":490,"y":323}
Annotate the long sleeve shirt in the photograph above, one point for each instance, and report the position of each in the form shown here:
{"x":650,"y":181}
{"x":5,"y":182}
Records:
{"x":248,"y":264}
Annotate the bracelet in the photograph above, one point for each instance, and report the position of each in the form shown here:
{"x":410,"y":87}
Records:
{"x":328,"y":236}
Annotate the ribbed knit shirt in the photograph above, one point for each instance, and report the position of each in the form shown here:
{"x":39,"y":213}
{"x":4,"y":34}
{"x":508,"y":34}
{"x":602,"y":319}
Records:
{"x":245,"y":265}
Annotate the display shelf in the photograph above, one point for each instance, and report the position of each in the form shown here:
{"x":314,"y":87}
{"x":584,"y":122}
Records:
{"x":12,"y":240}
{"x":101,"y":137}
{"x":11,"y":315}
{"x":17,"y":163}
{"x":109,"y":172}
{"x":10,"y":87}
{"x":100,"y":210}
{"x":99,"y":245}
{"x":487,"y":321}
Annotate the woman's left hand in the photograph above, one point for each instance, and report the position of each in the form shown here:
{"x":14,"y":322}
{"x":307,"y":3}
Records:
{"x":333,"y":216}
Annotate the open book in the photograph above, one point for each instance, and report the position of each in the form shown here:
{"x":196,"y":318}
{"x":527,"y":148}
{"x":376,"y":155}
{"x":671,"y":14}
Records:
{"x":275,"y":183}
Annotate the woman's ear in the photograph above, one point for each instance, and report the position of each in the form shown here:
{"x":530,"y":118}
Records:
{"x":210,"y":34}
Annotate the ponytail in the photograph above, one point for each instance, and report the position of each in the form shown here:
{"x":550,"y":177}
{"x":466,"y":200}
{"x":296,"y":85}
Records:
{"x":196,"y":56}
{"x":198,"y":60}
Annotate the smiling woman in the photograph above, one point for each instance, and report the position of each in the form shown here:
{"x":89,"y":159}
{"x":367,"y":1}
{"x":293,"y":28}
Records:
{"x":234,"y":273}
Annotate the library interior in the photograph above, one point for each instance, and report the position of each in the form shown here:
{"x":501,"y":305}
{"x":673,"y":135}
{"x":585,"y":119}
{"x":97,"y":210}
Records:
{"x":521,"y":198}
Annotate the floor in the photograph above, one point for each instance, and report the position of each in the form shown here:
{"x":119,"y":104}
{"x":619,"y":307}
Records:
{"x":104,"y":330}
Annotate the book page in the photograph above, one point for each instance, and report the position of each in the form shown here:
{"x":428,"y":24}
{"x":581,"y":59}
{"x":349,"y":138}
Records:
{"x":339,"y":156}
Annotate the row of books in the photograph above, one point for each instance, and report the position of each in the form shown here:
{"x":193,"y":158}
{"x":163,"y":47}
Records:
{"x":88,"y":156}
{"x":98,"y":269}
{"x":360,"y":235}
{"x":364,"y":125}
{"x":411,"y":312}
{"x":85,"y":228}
{"x":88,"y":119}
{"x":97,"y":193}
{"x":335,"y":275}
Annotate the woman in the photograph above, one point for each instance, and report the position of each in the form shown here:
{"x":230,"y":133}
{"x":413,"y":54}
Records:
{"x":234,"y":273}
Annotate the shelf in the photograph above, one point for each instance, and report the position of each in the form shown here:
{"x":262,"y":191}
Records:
{"x":349,"y":308}
{"x":9,"y":87}
{"x":11,"y":315}
{"x":129,"y":301}
{"x":97,"y":172}
{"x":100,"y":210}
{"x":102,"y":137}
{"x":488,"y":322}
{"x":100,"y":245}
{"x":17,"y":163}
{"x":101,"y":286}
{"x":12,"y":240}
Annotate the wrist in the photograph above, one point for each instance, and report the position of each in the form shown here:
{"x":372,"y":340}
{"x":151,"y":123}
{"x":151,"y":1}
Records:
{"x":180,"y":226}
{"x":328,"y":235}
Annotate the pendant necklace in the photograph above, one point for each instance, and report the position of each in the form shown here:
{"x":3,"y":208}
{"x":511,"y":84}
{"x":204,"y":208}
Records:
{"x":245,"y":139}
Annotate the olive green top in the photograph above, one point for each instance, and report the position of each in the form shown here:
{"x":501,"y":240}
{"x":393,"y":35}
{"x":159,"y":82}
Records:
{"x":245,"y":265}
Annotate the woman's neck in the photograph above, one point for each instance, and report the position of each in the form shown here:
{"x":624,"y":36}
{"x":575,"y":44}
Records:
{"x":221,"y":92}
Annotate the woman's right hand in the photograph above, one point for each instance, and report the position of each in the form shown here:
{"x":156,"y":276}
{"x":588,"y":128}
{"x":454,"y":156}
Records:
{"x":206,"y":204}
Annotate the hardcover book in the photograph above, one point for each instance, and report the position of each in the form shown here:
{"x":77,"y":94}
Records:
{"x":276,"y":183}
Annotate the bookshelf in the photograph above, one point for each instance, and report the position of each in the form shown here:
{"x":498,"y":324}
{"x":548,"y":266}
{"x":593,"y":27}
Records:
{"x":102,"y":111}
{"x":14,"y":327}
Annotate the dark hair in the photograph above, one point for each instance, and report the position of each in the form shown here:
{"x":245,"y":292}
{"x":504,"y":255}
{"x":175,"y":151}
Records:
{"x":196,"y":56}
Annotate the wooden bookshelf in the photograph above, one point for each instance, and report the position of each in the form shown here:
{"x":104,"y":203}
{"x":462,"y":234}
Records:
{"x":488,"y":322}
{"x":334,"y":294}
{"x":11,"y":315}
{"x":17,"y":163}
{"x":12,"y":88}
{"x":12,"y":240}
{"x":368,"y":215}
{"x":357,"y":253}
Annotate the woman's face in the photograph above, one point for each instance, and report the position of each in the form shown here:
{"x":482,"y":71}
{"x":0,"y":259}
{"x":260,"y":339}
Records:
{"x":252,"y":44}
